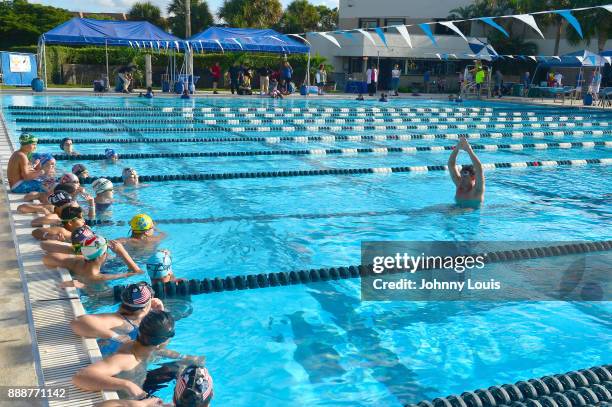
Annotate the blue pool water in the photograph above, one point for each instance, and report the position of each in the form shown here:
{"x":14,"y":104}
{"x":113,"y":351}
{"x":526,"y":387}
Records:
{"x":320,"y":344}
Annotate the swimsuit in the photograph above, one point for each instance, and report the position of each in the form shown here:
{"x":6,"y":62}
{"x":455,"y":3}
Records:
{"x":25,"y":186}
{"x":110,"y":345}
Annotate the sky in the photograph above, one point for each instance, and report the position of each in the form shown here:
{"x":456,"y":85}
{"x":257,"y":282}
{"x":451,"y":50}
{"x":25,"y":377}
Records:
{"x":122,"y":6}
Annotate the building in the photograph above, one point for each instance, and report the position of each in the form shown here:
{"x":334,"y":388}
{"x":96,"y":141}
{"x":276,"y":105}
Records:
{"x":357,"y":53}
{"x":109,"y":16}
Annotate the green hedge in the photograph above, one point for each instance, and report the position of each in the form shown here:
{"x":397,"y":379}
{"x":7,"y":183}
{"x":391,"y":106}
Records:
{"x":58,"y":55}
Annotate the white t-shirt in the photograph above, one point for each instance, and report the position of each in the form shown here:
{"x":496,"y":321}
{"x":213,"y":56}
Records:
{"x":395,"y":73}
{"x":558,"y":79}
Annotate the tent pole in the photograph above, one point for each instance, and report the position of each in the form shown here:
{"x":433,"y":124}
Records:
{"x":107,"y":82}
{"x":44,"y":57}
{"x":308,"y":70}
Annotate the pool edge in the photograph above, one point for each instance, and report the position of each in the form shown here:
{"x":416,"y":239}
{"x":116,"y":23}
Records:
{"x":53,"y":347}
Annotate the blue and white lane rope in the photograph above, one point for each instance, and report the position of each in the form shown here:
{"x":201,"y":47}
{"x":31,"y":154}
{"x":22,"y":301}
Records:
{"x":242,"y":129}
{"x":338,"y":138}
{"x":347,"y":171}
{"x":302,"y":120}
{"x":341,"y":151}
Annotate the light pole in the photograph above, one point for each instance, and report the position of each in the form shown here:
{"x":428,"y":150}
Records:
{"x":187,"y":18}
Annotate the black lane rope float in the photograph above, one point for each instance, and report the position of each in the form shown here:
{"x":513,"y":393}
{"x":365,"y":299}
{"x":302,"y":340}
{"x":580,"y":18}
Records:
{"x":344,"y":151}
{"x":534,"y":115}
{"x":256,"y":109}
{"x":283,"y":278}
{"x":343,"y":171}
{"x":331,"y":138}
{"x":294,"y":120}
{"x":339,"y":127}
{"x":586,"y":387}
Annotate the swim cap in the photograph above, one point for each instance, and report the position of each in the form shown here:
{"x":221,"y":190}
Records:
{"x":109,"y":153}
{"x":194,"y":387}
{"x":159,"y":264}
{"x":70,"y":213}
{"x":137,"y":296}
{"x":94,"y":247}
{"x":141,"y":223}
{"x":27,"y":138}
{"x":59,"y":198}
{"x":78,"y":169}
{"x":68,"y":188}
{"x":156,"y":328}
{"x":69,"y":178}
{"x":43,"y":158}
{"x":101,"y":185}
{"x":78,"y":237}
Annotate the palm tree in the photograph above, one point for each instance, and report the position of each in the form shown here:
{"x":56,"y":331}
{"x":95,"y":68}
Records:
{"x":201,"y":17}
{"x":595,"y":24}
{"x":251,"y":13}
{"x":146,"y":11}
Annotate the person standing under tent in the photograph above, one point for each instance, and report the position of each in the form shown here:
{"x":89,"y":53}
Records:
{"x":395,"y":79}
{"x":558,"y":79}
{"x":479,"y":79}
{"x":526,"y":82}
{"x":595,"y":84}
{"x":499,"y":82}
{"x":264,"y":80}
{"x":215,"y":76}
{"x":426,"y":80}
{"x":286,"y":75}
{"x":234,"y":73}
{"x":372,"y":80}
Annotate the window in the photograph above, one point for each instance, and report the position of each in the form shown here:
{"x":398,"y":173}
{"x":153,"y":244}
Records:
{"x":355,"y":65}
{"x":368,"y":22}
{"x":394,"y":21}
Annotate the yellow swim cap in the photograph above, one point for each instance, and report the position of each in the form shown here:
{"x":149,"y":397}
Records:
{"x":141,"y":223}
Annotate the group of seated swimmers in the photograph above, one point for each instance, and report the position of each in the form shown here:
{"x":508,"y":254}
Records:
{"x":139,"y":331}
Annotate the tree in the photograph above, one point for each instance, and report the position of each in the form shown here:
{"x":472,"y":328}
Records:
{"x":146,"y":11}
{"x":300,"y":16}
{"x":329,"y":18}
{"x":22,"y":23}
{"x":595,"y":24}
{"x":201,"y":18}
{"x":251,"y":13}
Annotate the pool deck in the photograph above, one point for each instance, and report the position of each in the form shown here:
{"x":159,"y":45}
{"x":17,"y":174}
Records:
{"x":225,"y":93}
{"x":37,"y":347}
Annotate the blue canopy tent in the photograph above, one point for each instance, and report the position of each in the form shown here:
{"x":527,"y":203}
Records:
{"x":246,"y":39}
{"x":577,"y":59}
{"x":87,"y":31}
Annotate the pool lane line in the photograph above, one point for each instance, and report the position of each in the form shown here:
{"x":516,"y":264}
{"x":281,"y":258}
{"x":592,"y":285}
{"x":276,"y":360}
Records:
{"x":283,"y":278}
{"x":242,"y":129}
{"x":340,"y":151}
{"x":298,"y":121}
{"x":257,"y":109}
{"x":346,"y":171}
{"x":591,"y":386}
{"x":332,"y":138}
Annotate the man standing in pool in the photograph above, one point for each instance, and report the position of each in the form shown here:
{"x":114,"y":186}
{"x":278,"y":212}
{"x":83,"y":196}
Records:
{"x":470,"y":181}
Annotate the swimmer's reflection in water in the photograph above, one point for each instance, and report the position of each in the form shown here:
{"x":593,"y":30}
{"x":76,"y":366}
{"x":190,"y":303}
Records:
{"x":470,"y":181}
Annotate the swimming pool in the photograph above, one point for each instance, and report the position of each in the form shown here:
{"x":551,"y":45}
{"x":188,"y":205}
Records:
{"x":319,"y":344}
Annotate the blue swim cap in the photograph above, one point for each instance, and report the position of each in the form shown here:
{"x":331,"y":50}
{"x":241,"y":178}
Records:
{"x":109,"y":153}
{"x":42,"y":157}
{"x":159,"y":265}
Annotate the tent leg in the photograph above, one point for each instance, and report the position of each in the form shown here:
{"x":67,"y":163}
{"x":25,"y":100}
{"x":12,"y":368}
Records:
{"x":107,"y":81}
{"x":44,"y":57}
{"x":308,"y":71}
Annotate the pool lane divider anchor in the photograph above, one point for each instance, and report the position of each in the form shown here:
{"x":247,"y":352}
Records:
{"x":183,"y":288}
{"x":308,"y":139}
{"x":333,"y":151}
{"x":343,"y":171}
{"x":338,"y":127}
{"x":586,"y":387}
